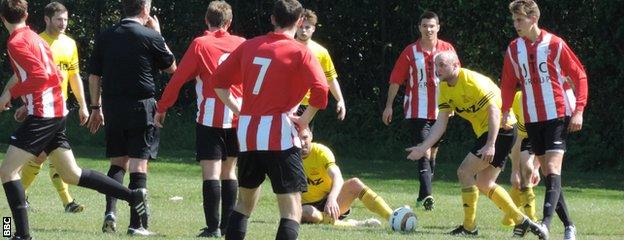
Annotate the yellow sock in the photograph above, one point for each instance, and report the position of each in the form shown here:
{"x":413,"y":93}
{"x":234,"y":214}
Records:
{"x":528,"y":202}
{"x":326,"y":219}
{"x":514,"y":193}
{"x":502,"y":199}
{"x":375,"y":203}
{"x":61,"y":187}
{"x":29,"y":173}
{"x":341,"y":223}
{"x":470,"y":197}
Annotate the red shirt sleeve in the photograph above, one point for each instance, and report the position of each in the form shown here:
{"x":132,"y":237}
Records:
{"x":312,"y":70}
{"x":37,"y":79}
{"x":509,"y":81}
{"x":571,"y":67}
{"x":187,"y":70}
{"x":400,"y":72}
{"x":229,"y":72}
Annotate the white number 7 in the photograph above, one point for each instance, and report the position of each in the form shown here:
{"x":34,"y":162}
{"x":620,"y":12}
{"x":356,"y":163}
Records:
{"x":264,"y":65}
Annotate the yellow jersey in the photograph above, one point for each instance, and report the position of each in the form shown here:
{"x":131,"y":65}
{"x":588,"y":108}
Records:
{"x":517,"y":111}
{"x":470,"y":97}
{"x":322,"y":55}
{"x":316,"y":167}
{"x":65,"y":54}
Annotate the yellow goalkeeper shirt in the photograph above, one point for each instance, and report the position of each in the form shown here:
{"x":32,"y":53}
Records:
{"x":316,"y":167}
{"x":65,"y":54}
{"x":322,"y":55}
{"x":470,"y":97}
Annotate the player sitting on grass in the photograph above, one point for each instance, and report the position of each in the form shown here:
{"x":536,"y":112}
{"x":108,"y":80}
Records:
{"x":329,"y":197}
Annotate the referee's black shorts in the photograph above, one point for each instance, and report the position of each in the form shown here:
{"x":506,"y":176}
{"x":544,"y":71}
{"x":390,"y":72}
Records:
{"x":37,"y":135}
{"x":284,"y":168}
{"x":130,"y":129}
{"x":215,"y":143}
{"x":504,"y":142}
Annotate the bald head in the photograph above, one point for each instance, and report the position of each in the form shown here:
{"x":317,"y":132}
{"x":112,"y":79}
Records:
{"x":449,"y":57}
{"x":447,"y":65}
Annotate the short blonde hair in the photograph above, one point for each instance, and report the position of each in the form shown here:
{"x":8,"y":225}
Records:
{"x":218,"y":13}
{"x":310,"y":17}
{"x":527,"y":8}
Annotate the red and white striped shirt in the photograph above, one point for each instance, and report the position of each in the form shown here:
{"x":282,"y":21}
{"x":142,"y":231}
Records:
{"x":199,"y":62}
{"x":39,"y":79}
{"x":276,"y":72}
{"x":542,"y":68}
{"x":421,"y":92}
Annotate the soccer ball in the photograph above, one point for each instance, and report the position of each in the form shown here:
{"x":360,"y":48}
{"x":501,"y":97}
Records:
{"x":403,"y":219}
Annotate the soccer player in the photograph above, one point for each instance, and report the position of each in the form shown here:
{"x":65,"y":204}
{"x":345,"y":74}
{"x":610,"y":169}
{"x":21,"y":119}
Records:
{"x":329,"y":198}
{"x":542,"y":63}
{"x":216,"y":142}
{"x":276,"y":71}
{"x":65,"y":56}
{"x":475,"y":98}
{"x":415,"y":69}
{"x":43,"y":130}
{"x":122,"y":88}
{"x":304,"y":35}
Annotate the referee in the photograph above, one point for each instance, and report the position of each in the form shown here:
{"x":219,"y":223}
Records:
{"x":122,"y":88}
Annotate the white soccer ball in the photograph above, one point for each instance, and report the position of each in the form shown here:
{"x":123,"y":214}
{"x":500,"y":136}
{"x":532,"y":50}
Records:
{"x":403,"y":219}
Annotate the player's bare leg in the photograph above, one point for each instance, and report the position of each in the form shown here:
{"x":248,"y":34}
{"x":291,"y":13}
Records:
{"x":290,"y":215}
{"x":14,"y":159}
{"x":247,"y":200}
{"x":551,"y":164}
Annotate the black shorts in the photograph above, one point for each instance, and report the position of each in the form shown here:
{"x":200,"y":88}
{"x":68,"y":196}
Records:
{"x":504,"y":142}
{"x":418,"y":130}
{"x":320,"y":205}
{"x":284,"y":168}
{"x":548,"y":135}
{"x":37,"y":134}
{"x":215,"y":143}
{"x":526,"y":146}
{"x":130,"y":129}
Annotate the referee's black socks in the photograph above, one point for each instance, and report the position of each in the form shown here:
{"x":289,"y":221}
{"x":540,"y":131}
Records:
{"x":117,"y":173}
{"x":288,"y":229}
{"x":553,"y":190}
{"x":211,"y":192}
{"x":229,"y":190}
{"x":137,"y":180}
{"x":424,"y":177}
{"x":103,"y":184}
{"x":237,"y":227}
{"x":17,"y":202}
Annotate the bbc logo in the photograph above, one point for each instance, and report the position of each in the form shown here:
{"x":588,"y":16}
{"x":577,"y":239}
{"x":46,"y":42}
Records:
{"x":6,"y":226}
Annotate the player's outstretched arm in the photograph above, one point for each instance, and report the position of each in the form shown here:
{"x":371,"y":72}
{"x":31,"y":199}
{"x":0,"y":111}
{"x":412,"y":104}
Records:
{"x":393,"y":89}
{"x":332,"y":207}
{"x":437,"y":130}
{"x":488,"y":150}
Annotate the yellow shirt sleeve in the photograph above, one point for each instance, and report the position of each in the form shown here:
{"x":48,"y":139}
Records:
{"x":518,"y":112}
{"x":74,"y":66}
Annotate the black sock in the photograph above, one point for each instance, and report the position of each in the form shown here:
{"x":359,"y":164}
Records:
{"x":211,"y":191}
{"x":553,"y":189}
{"x":137,"y":180}
{"x":17,"y":202}
{"x":424,"y":176}
{"x":103,"y":184}
{"x":117,"y":173}
{"x":562,"y":211}
{"x":287,"y":230}
{"x":228,"y":200}
{"x":237,"y":227}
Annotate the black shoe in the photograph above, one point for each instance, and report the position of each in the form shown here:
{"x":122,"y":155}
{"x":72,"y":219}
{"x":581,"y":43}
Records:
{"x":109,"y":226}
{"x":540,"y":230}
{"x":205,"y":232}
{"x":74,"y":207}
{"x":139,"y":203}
{"x":460,"y":230}
{"x":429,"y":203}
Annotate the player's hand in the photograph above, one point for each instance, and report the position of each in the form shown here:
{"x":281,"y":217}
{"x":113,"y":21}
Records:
{"x":487,"y":152}
{"x":299,"y":121}
{"x":341,"y":109}
{"x":20,"y":114}
{"x":535,"y":178}
{"x":576,"y":123}
{"x":96,"y":120}
{"x":83,"y":114}
{"x":387,"y":116}
{"x":153,"y":23}
{"x":332,"y":208}
{"x":159,"y":119}
{"x":416,"y":153}
{"x":5,"y":101}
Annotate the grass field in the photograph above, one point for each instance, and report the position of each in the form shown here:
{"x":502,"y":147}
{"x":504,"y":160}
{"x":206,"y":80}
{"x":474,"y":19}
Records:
{"x":596,"y":203}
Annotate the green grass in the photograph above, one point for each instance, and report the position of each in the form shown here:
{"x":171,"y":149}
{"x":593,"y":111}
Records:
{"x":596,"y":203}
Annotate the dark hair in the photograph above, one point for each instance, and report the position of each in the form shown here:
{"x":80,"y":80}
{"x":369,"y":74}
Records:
{"x":429,"y":15}
{"x":133,"y":8}
{"x":287,"y":12}
{"x":13,"y":10}
{"x":53,"y":8}
{"x":218,"y":13}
